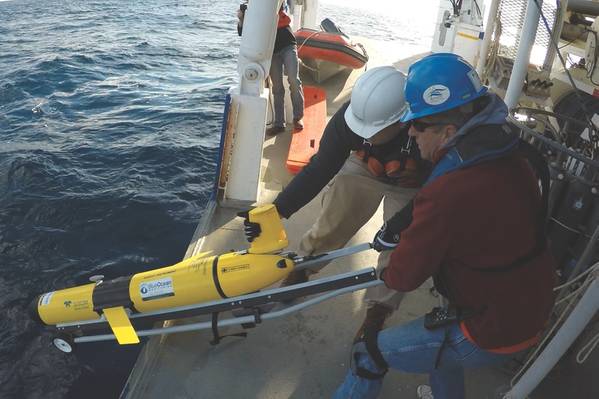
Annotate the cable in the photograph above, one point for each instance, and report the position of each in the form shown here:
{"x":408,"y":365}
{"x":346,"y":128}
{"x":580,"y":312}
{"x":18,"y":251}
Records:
{"x":551,"y":113}
{"x":456,"y":5}
{"x":549,"y":334}
{"x":547,"y":126}
{"x":308,"y":38}
{"x":480,"y":14}
{"x":571,"y":295}
{"x":590,"y":269}
{"x":581,"y":357}
{"x":533,"y":112}
{"x":573,"y":40}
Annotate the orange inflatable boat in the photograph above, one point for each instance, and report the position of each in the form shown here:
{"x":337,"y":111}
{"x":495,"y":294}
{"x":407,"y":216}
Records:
{"x":334,"y":47}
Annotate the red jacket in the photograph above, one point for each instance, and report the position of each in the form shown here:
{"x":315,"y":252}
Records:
{"x":482,"y":217}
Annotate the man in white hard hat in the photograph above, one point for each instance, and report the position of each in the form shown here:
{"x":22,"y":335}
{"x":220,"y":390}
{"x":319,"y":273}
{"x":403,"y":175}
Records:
{"x":365,"y":157}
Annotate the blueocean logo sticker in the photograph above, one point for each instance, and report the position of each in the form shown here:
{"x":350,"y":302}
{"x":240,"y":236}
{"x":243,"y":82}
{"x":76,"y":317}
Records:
{"x":436,"y":94}
{"x":46,"y":298}
{"x":156,"y":289}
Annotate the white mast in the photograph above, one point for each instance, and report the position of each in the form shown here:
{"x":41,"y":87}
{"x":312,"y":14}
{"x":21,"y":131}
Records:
{"x":249,"y":102}
{"x":527,"y":40}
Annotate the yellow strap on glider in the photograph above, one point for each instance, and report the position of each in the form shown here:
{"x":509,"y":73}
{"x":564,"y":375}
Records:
{"x":121,"y":325}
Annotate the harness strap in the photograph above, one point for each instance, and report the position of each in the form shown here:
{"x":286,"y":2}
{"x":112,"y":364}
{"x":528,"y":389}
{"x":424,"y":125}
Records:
{"x":402,"y":163}
{"x":372,"y":346}
{"x":401,"y":156}
{"x":370,"y":339}
{"x":367,"y":148}
{"x":539,"y":165}
{"x":367,"y":374}
{"x":406,"y":151}
{"x":216,"y":337}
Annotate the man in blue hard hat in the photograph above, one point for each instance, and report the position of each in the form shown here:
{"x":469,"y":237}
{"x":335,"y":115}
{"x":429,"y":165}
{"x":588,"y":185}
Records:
{"x":476,"y":227}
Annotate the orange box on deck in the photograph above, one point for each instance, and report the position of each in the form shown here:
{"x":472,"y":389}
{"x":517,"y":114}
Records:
{"x":304,"y":143}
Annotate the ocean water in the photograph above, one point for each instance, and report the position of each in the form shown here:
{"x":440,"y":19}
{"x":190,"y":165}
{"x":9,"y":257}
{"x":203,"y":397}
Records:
{"x":396,"y":29}
{"x":110,"y":116}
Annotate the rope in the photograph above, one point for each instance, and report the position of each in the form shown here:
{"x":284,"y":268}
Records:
{"x":571,"y":295}
{"x":307,"y":67}
{"x":581,"y":357}
{"x":306,"y":39}
{"x":302,"y":45}
{"x":589,"y":270}
{"x":573,"y":299}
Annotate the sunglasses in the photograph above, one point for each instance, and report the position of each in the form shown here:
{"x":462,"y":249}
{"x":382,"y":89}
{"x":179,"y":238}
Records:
{"x":420,"y":126}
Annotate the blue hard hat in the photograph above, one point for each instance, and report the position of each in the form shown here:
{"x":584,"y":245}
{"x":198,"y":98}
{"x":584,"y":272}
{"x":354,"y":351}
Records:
{"x":440,"y":82}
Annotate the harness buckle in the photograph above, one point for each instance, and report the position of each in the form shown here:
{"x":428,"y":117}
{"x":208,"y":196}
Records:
{"x":407,"y":148}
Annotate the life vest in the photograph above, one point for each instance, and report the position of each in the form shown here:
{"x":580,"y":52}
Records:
{"x":284,"y":19}
{"x":398,"y":161}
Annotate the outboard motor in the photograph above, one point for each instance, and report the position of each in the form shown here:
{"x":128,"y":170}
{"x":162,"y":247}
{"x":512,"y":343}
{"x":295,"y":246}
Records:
{"x":329,"y":26}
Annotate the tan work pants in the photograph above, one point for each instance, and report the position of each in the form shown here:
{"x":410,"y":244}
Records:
{"x":350,"y":200}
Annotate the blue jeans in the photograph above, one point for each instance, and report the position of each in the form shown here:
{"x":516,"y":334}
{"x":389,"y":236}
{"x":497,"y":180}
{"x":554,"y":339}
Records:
{"x":287,"y":58}
{"x":411,"y":348}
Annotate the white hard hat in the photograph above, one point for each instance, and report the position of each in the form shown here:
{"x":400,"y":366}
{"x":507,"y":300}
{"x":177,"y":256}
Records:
{"x":377,"y":101}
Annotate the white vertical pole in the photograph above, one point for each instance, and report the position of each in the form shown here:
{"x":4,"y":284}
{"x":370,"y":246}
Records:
{"x":576,"y":322}
{"x":247,"y":131}
{"x":527,"y":40}
{"x":257,"y":43}
{"x":489,"y":26}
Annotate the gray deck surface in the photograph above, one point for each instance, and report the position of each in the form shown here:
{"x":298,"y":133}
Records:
{"x":304,"y":355}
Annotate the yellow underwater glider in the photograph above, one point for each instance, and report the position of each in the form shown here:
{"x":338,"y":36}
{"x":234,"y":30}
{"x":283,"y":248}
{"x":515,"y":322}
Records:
{"x":200,"y":285}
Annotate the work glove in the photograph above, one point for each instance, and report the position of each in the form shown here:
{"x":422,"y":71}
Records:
{"x":251,"y":230}
{"x":385,"y":239}
{"x":388,"y":236}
